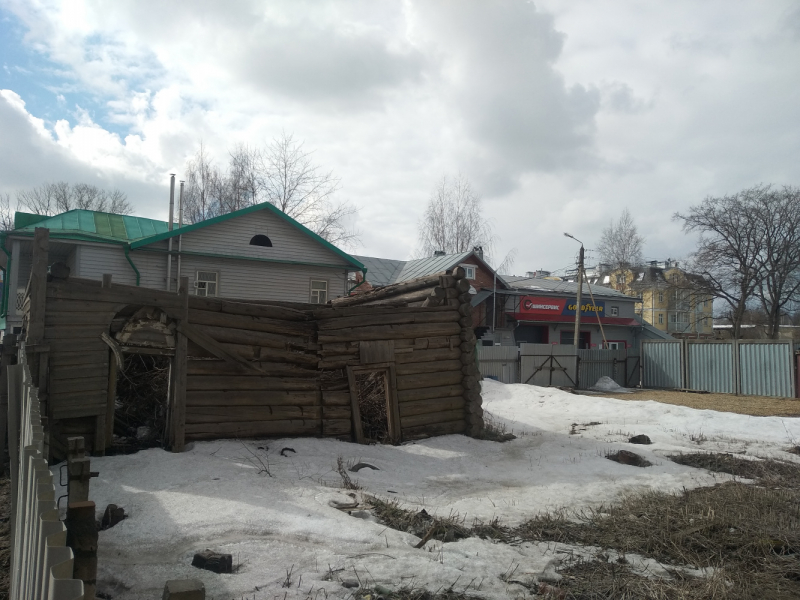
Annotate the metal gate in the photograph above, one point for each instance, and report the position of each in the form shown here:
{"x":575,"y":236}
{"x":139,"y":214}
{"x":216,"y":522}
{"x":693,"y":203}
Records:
{"x":499,"y":362}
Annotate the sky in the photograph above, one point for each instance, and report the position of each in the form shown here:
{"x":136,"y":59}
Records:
{"x":561,"y":114}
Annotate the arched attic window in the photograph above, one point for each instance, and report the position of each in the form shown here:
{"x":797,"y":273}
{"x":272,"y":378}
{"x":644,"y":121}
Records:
{"x":261,"y":240}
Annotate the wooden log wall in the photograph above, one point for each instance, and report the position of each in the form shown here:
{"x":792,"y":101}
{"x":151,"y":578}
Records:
{"x":252,"y":369}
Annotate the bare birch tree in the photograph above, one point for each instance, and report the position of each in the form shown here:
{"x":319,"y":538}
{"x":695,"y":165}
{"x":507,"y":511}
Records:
{"x":6,"y":213}
{"x":59,"y":196}
{"x":281,"y":173}
{"x":453,"y":221}
{"x":620,"y":243}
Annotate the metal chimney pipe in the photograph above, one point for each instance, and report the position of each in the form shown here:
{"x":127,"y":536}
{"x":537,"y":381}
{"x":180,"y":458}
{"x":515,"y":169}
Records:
{"x":180,"y":237}
{"x":169,"y":226}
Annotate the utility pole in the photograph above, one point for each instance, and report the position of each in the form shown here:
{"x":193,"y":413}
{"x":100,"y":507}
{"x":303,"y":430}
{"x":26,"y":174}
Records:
{"x":577,"y":336}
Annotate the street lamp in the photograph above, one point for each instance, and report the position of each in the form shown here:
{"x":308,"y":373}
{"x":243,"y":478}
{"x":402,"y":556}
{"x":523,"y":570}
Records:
{"x":576,"y":338}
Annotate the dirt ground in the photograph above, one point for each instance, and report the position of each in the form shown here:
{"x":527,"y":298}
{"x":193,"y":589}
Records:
{"x":759,"y":406}
{"x":5,"y":553}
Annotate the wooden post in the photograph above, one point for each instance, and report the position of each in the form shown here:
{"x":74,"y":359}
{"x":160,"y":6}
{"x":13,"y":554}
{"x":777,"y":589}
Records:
{"x":178,"y":404}
{"x":111,"y":398}
{"x":38,"y":297}
{"x":8,"y":358}
{"x":82,"y":538}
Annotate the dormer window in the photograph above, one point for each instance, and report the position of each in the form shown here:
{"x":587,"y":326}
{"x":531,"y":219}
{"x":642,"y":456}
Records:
{"x":469,"y":271}
{"x":261,"y":240}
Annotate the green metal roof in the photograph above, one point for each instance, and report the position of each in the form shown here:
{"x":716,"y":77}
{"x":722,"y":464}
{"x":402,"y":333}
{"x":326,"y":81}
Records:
{"x":88,"y":224}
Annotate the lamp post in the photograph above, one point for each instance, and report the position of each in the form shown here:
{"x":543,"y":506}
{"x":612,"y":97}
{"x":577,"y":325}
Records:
{"x":577,"y":337}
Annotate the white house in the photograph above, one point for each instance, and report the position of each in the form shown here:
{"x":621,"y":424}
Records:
{"x":257,"y":253}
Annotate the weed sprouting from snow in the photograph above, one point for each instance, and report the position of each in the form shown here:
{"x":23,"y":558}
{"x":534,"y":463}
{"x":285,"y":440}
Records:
{"x":347,"y":483}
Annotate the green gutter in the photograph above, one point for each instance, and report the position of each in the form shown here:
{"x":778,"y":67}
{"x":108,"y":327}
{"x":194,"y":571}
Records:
{"x":127,"y":248}
{"x":4,"y":302}
{"x":251,"y":258}
{"x":362,"y":282}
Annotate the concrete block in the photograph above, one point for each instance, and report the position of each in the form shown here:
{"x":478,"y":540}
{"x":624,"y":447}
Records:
{"x":184,"y":589}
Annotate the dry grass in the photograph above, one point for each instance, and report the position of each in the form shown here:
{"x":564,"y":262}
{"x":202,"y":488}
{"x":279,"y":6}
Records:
{"x":759,"y":406}
{"x":746,"y":537}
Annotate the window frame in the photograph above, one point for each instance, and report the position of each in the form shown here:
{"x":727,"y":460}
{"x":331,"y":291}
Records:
{"x":311,"y":291}
{"x":467,"y":269}
{"x":613,"y":311}
{"x":197,"y":281}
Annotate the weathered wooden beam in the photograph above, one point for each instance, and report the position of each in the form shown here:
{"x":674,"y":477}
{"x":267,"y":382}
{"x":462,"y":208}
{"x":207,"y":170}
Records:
{"x":200,"y":398}
{"x":254,"y":309}
{"x":390,"y":332}
{"x":389,"y":319}
{"x":388,"y":291}
{"x":217,"y":414}
{"x":421,"y":407}
{"x":441,"y":391}
{"x":369,"y":310}
{"x":179,"y":371}
{"x":425,"y":431}
{"x":428,"y":380}
{"x":432,"y":418}
{"x":438,"y":366}
{"x":199,"y":431}
{"x":427,"y":356}
{"x":235,"y":383}
{"x":251,"y":323}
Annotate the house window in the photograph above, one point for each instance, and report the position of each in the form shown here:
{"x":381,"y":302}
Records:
{"x":319,"y":291}
{"x":614,"y":311}
{"x":661,"y":296}
{"x":206,"y":283}
{"x":614,"y":345}
{"x":469,"y":271}
{"x":261,"y":240}
{"x":660,"y":318}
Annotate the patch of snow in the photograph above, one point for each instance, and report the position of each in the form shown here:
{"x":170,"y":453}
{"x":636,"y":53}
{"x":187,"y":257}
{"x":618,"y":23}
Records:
{"x":214,"y":497}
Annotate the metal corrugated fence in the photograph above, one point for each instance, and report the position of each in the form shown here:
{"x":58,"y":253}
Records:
{"x":710,"y":367}
{"x":548,"y":365}
{"x":766,"y":368}
{"x":594,"y":364}
{"x":748,"y":367}
{"x":41,"y":563}
{"x":499,"y":362}
{"x":662,"y":364}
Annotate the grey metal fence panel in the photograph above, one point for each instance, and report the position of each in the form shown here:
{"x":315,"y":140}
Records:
{"x":766,"y":368}
{"x":710,"y":367}
{"x":499,"y":362}
{"x":548,"y":365}
{"x":662,"y":363}
{"x":594,"y":364}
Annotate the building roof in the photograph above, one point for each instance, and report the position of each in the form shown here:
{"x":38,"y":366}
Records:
{"x":386,"y":271}
{"x":538,"y":284}
{"x":89,"y":225}
{"x":139,"y":231}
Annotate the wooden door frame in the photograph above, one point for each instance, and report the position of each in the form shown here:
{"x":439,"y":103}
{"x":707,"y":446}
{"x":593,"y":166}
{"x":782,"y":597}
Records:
{"x":392,"y":408}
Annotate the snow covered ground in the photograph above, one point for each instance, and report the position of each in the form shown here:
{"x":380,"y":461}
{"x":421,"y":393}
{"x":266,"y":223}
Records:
{"x":214,"y":496}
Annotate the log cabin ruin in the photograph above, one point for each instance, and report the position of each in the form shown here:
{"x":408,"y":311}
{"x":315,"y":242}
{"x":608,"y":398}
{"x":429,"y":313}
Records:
{"x":390,"y":365}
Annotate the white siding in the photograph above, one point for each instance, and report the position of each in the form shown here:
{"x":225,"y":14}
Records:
{"x":233,"y":237}
{"x":263,"y":281}
{"x":95,"y":261}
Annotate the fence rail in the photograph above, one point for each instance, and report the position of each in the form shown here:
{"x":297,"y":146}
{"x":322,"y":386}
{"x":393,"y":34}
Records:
{"x":747,"y":367}
{"x":41,"y":562}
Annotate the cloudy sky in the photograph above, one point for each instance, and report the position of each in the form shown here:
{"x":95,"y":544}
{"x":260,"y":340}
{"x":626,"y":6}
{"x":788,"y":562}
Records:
{"x":561,"y":113}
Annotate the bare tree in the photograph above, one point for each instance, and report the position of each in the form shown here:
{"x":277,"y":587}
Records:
{"x":59,"y":196}
{"x":735,"y":252}
{"x":453,"y":221}
{"x":620,"y":243}
{"x":6,"y":214}
{"x":281,"y":173}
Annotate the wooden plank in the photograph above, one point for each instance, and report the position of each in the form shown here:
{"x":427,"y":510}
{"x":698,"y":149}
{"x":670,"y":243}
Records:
{"x":336,"y":398}
{"x":251,"y":398}
{"x":74,"y":332}
{"x":421,"y":356}
{"x":62,"y":372}
{"x":376,"y":351}
{"x":444,"y":391}
{"x":336,"y":412}
{"x":38,"y":287}
{"x":336,"y":363}
{"x":219,"y":367}
{"x":80,"y":385}
{"x":249,"y":308}
{"x":393,"y":318}
{"x":251,"y":338}
{"x":252,"y":323}
{"x":432,"y":418}
{"x":86,"y":289}
{"x":83,"y":306}
{"x":252,"y":429}
{"x":202,"y":339}
{"x":438,"y":366}
{"x":390,"y":332}
{"x":102,"y":319}
{"x":217,"y":414}
{"x":425,"y":431}
{"x":428,"y":380}
{"x":72,"y":412}
{"x":337,"y":427}
{"x":97,"y":396}
{"x":389,"y":291}
{"x":63,"y":359}
{"x":233,"y":383}
{"x":111,"y":401}
{"x":432,"y":405}
{"x":322,"y":314}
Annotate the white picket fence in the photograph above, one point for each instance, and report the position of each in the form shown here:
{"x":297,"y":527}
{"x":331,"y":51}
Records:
{"x":41,"y":562}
